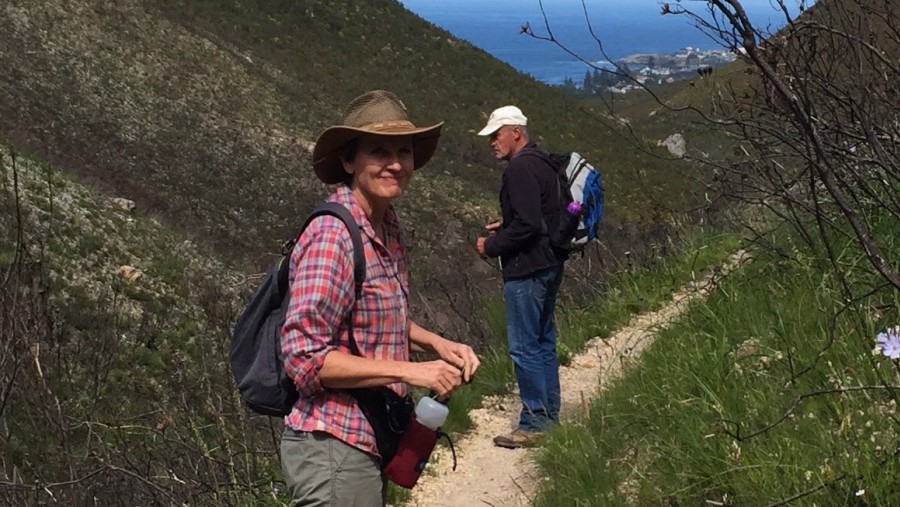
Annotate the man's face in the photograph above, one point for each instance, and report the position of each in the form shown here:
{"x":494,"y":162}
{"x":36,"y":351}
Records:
{"x":504,"y":141}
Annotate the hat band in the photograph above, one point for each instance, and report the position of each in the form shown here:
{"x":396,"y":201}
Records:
{"x":389,"y":126}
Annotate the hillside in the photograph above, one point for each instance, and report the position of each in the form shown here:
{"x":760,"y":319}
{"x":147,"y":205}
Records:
{"x":116,"y":317}
{"x":114,"y":332}
{"x":782,"y":388}
{"x":203,"y":113}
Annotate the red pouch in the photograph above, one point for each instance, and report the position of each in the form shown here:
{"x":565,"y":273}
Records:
{"x":412,"y":455}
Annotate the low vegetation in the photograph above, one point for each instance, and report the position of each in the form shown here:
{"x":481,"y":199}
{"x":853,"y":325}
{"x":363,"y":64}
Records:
{"x":773,"y":392}
{"x":115,"y":315}
{"x":115,"y":382}
{"x":624,"y":294}
{"x":767,"y":393}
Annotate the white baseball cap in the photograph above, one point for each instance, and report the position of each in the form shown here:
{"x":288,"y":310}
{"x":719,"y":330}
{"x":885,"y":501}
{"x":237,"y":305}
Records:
{"x":506,"y":115}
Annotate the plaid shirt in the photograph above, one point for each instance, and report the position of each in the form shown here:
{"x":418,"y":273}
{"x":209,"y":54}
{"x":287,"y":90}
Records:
{"x":322,"y":295}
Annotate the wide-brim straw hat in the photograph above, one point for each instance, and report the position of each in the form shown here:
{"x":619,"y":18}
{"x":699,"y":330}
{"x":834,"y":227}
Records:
{"x":378,"y":112}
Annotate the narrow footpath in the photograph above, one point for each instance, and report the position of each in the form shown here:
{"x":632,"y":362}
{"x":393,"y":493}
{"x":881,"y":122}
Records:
{"x":495,"y":477}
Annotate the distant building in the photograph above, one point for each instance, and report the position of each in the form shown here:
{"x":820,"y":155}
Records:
{"x":692,"y":61}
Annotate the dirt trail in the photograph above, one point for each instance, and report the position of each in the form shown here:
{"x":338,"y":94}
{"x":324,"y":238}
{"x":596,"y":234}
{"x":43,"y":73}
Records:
{"x":495,"y":477}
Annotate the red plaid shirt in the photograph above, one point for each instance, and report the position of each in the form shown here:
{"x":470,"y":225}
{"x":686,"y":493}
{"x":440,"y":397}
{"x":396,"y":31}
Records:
{"x":322,"y":295}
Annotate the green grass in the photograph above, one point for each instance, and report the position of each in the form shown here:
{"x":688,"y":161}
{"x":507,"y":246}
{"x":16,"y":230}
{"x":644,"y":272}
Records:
{"x":678,"y":429}
{"x":635,"y":292}
{"x":626,"y":294}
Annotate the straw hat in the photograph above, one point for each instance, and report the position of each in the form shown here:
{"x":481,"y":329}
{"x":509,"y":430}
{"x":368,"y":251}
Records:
{"x":377,"y":112}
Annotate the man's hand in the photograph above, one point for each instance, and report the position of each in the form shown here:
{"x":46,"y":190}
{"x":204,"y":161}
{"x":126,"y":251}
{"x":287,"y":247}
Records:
{"x":493,"y":226}
{"x":479,"y":247}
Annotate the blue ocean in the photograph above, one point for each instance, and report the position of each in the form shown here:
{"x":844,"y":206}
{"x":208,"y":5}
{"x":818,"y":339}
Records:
{"x":624,"y":27}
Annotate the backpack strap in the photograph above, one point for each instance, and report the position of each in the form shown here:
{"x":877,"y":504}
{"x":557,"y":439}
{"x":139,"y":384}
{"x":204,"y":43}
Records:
{"x":539,"y":153}
{"x":557,"y":162}
{"x":554,"y":162}
{"x":359,"y":256}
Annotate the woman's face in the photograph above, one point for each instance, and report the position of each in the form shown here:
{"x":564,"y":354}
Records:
{"x":382,"y":167}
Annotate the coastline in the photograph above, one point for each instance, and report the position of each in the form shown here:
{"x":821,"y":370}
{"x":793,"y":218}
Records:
{"x":650,"y":69}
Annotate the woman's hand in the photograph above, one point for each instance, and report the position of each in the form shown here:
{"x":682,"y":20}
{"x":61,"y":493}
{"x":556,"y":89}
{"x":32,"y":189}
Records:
{"x":438,"y":376}
{"x":460,"y":355}
{"x":457,"y":354}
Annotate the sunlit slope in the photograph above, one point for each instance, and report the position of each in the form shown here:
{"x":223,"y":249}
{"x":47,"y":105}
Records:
{"x":204,"y":111}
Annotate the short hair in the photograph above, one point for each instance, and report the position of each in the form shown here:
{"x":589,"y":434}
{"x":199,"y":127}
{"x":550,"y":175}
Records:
{"x":522,"y":128}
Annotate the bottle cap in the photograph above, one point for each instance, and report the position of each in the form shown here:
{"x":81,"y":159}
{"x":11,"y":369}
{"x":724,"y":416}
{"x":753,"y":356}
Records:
{"x":574,"y":208}
{"x":431,"y":413}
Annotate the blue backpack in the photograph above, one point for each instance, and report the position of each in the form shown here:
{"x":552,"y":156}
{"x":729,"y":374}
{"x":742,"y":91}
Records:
{"x":581,"y":182}
{"x":584,"y":184}
{"x":256,"y":358}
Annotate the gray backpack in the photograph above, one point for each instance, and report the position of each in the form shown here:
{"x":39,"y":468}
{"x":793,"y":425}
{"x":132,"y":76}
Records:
{"x":256,"y":357}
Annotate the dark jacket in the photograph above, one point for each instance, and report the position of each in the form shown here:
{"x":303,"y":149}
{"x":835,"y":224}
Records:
{"x":530,"y":204}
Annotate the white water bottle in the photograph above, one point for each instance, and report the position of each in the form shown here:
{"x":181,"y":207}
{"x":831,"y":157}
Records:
{"x":431,"y":413}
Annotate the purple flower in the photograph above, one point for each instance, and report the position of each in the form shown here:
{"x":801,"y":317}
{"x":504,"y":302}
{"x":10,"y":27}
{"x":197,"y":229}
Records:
{"x":889,"y":342}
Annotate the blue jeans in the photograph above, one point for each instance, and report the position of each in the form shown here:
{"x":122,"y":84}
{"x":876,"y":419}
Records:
{"x":531,"y":334}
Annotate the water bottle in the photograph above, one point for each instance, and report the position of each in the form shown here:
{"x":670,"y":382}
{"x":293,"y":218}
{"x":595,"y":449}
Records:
{"x":416,"y":443}
{"x":431,"y":413}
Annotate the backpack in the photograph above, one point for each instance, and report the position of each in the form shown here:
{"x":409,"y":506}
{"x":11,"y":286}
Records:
{"x":581,"y":182}
{"x":257,"y":361}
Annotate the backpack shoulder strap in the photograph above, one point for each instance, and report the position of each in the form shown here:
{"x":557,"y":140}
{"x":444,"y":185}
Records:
{"x":536,"y":152}
{"x":359,"y":255}
{"x":557,"y":161}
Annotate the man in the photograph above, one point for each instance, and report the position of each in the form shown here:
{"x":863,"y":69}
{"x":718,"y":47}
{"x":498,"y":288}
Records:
{"x":532,"y":270}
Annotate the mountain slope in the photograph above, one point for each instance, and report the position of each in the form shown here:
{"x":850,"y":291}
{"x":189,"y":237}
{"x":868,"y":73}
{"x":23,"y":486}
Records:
{"x":204,"y":110}
{"x":114,"y":337}
{"x":203,"y":113}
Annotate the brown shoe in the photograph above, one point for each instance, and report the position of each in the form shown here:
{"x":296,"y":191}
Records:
{"x":518,"y":439}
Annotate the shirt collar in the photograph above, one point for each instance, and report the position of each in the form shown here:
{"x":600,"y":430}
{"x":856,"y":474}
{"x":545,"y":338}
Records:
{"x":344,"y":196}
{"x":530,"y":146}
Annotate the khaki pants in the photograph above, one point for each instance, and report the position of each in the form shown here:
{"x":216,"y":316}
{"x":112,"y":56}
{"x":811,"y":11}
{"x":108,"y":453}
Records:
{"x":322,"y":471}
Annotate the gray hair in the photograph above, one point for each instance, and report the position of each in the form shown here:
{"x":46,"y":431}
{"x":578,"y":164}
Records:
{"x":522,"y":128}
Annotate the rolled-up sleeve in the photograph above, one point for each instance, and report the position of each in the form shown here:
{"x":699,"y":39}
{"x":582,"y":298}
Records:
{"x":321,"y":296}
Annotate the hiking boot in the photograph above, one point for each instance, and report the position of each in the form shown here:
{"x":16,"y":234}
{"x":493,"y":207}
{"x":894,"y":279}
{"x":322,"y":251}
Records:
{"x":519,"y":439}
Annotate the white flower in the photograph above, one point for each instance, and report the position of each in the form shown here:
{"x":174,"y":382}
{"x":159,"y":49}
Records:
{"x":889,"y":342}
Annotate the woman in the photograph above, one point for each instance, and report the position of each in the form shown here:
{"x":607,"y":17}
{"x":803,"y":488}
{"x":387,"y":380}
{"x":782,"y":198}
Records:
{"x":329,"y":456}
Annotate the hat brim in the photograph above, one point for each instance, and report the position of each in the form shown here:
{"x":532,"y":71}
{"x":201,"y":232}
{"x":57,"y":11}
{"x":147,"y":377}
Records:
{"x":489,"y":129}
{"x":326,"y":154}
